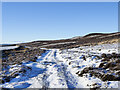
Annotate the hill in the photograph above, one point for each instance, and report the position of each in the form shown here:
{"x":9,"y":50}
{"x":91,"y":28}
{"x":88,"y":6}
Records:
{"x":90,"y":39}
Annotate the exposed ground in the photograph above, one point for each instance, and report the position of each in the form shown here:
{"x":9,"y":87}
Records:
{"x":70,"y":63}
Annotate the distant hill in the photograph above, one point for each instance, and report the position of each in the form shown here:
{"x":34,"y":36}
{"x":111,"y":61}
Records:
{"x":89,"y":39}
{"x":5,"y":45}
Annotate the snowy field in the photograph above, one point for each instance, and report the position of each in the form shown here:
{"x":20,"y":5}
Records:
{"x":8,"y":47}
{"x":57,"y":69}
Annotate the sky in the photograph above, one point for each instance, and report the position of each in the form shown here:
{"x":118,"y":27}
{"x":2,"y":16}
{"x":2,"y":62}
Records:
{"x":29,"y":21}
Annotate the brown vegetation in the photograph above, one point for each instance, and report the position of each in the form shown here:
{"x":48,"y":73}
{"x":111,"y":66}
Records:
{"x":90,"y":39}
{"x":16,"y":56}
{"x":108,"y":70}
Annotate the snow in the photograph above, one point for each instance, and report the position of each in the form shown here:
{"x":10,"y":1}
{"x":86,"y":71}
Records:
{"x":8,"y":47}
{"x":57,"y":69}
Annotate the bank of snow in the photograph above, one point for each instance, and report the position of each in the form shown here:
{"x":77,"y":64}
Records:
{"x":8,"y":47}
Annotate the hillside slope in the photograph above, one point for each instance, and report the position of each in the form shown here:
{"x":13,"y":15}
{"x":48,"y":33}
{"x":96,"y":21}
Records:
{"x":93,"y":38}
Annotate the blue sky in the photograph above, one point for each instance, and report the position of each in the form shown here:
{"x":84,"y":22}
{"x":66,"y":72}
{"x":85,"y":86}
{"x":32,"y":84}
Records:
{"x":28,"y":21}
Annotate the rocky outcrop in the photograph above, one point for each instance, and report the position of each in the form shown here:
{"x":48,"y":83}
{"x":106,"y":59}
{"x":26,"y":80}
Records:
{"x":108,"y":70}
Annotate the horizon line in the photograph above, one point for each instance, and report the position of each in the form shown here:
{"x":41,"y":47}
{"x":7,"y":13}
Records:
{"x":18,"y":42}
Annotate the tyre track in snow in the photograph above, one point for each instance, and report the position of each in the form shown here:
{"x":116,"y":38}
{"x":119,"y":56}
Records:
{"x":49,"y":73}
{"x":58,"y":81}
{"x":41,"y":80}
{"x":64,"y":78}
{"x":45,"y":76}
{"x":69,"y":78}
